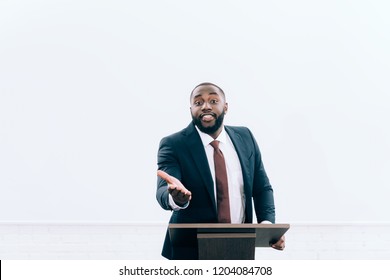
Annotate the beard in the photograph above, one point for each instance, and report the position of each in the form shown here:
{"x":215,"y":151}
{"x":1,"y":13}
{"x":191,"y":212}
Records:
{"x":209,"y":129}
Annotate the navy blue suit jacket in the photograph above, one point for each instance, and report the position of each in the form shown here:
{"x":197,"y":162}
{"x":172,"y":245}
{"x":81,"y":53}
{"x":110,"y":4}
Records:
{"x":182,"y":155}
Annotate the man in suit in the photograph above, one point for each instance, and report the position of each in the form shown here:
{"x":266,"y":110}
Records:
{"x":187,"y":172}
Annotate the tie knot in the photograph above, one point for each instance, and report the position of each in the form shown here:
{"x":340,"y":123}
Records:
{"x":215,"y":144}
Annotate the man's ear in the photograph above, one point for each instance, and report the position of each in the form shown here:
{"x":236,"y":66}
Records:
{"x":226,"y":107}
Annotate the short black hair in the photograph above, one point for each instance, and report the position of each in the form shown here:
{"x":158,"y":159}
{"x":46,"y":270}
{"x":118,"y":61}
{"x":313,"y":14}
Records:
{"x":207,"y":84}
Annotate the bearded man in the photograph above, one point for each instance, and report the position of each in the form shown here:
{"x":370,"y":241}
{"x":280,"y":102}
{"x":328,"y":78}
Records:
{"x":189,"y":172}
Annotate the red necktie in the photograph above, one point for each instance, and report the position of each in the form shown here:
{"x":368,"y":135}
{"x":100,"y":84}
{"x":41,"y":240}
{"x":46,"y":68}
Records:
{"x":222,"y":184}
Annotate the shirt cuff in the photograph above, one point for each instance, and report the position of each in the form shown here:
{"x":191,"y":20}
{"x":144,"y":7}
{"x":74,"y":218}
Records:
{"x":265,"y":222}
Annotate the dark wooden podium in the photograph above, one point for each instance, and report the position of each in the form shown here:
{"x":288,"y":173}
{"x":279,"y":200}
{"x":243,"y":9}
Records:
{"x":225,"y":241}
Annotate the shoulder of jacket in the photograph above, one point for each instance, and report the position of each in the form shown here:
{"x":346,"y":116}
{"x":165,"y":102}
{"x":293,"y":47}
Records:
{"x":238,"y":129}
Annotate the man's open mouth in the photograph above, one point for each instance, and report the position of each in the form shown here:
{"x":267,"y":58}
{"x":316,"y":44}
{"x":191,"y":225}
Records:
{"x":207,"y":117}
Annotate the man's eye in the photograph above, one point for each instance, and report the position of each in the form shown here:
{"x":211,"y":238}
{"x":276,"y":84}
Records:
{"x":198,"y":103}
{"x":214,"y":101}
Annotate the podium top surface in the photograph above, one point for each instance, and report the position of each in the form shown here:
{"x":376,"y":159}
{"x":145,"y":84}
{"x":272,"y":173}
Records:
{"x":229,"y":226}
{"x":265,"y":234}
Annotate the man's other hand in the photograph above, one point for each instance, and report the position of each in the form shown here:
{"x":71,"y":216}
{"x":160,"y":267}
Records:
{"x":280,"y":244}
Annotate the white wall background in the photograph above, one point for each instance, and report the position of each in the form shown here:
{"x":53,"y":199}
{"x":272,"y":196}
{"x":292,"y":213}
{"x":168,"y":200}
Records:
{"x":88,"y":88}
{"x":143,"y":241}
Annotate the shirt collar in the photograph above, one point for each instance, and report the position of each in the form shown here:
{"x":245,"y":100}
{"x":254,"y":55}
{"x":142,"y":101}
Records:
{"x":207,"y":139}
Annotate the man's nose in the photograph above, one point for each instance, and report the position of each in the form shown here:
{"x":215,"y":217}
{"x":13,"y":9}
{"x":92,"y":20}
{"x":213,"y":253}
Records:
{"x":206,"y":106}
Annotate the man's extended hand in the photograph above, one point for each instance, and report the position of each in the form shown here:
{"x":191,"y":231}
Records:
{"x":178,"y":192}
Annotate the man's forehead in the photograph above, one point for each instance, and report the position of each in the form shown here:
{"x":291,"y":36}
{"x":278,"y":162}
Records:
{"x":207,"y":90}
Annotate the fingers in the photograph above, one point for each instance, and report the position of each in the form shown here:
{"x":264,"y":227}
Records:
{"x":280,"y":245}
{"x":180,"y":196}
{"x":179,"y":192}
{"x":170,"y":179}
{"x":165,"y":176}
{"x":175,"y":188}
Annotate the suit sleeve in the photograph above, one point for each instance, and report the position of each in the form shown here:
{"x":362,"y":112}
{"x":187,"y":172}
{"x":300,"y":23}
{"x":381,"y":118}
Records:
{"x":263,"y":197}
{"x":166,"y":161}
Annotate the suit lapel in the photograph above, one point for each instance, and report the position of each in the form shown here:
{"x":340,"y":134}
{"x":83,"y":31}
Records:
{"x":197,"y":152}
{"x":243,"y":154}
